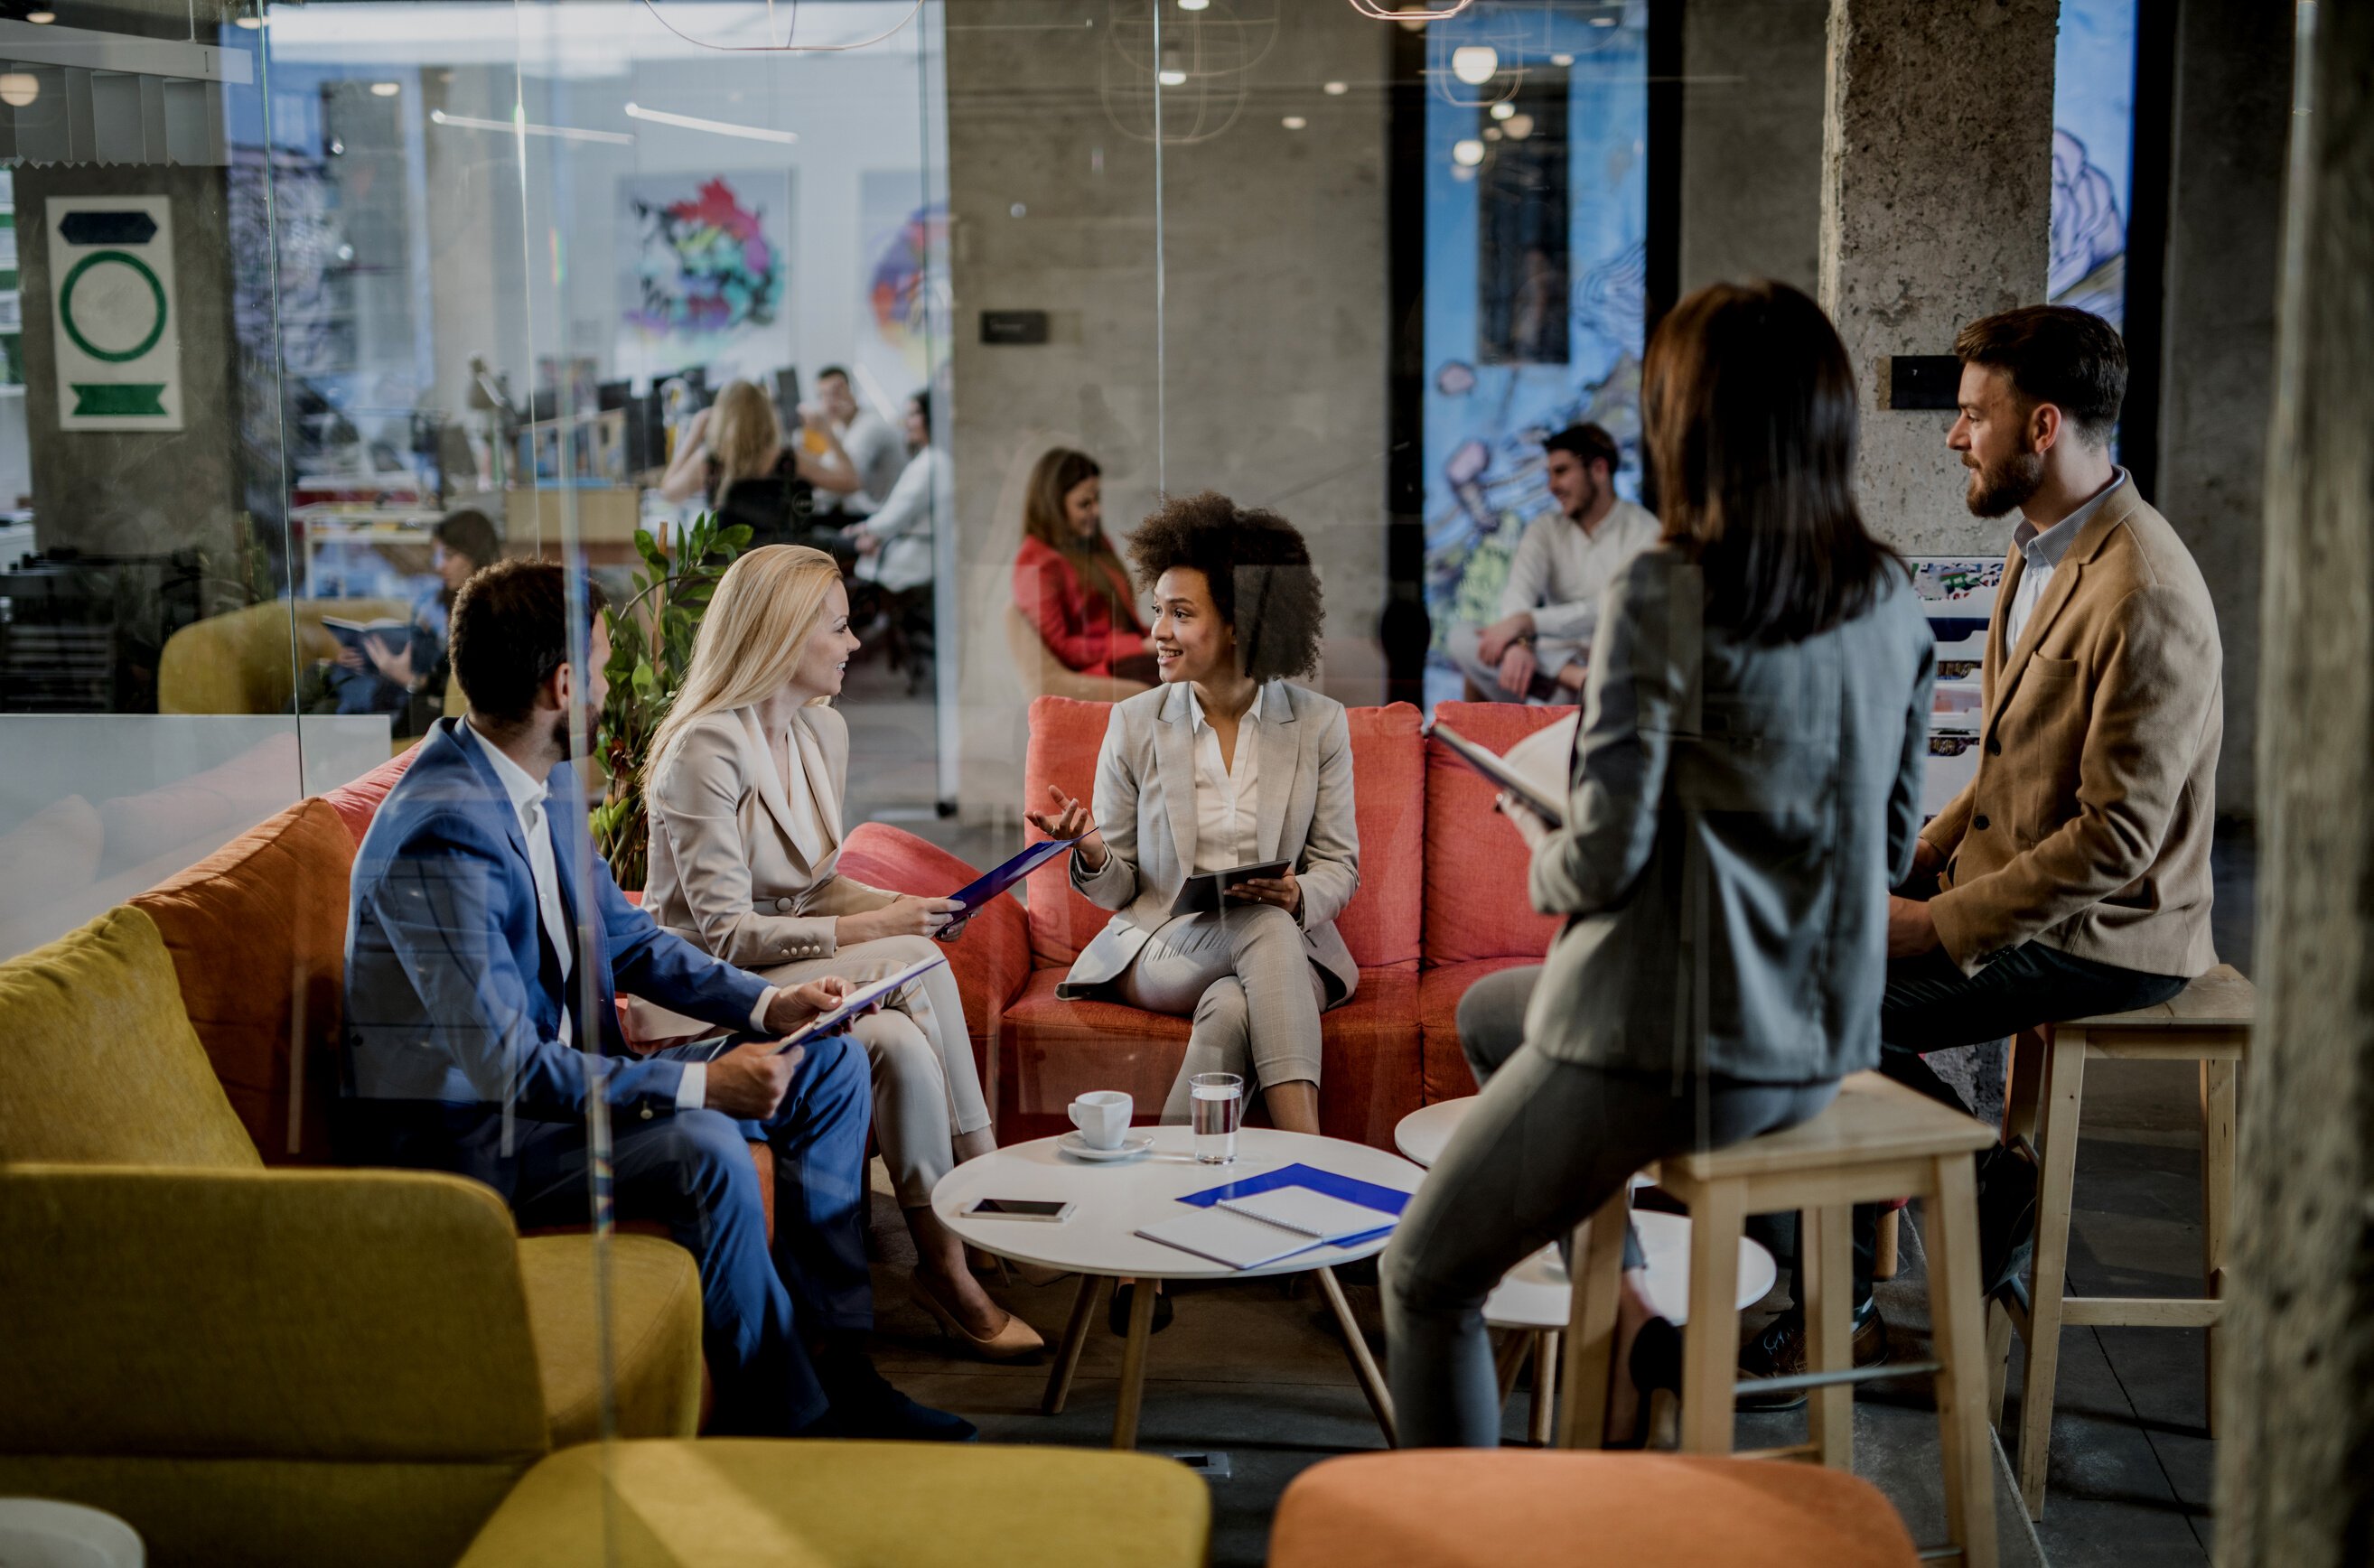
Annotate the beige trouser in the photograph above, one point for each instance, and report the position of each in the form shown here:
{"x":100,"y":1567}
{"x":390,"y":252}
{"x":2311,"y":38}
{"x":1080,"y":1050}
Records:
{"x":1254,"y":993}
{"x":926,"y":1088}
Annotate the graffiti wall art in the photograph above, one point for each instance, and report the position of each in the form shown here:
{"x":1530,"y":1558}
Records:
{"x":703,"y":271}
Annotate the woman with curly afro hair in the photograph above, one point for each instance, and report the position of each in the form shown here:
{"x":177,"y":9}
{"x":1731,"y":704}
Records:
{"x":1227,"y":763}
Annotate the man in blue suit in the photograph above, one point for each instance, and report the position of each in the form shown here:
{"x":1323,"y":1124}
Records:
{"x":486,"y":945}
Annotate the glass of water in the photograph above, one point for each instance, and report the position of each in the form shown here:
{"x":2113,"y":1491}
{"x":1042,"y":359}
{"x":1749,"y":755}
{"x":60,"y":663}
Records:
{"x":1219,"y":1100}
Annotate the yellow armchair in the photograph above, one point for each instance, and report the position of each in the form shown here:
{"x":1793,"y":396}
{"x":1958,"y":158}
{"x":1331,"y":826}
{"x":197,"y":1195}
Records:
{"x":244,"y":662}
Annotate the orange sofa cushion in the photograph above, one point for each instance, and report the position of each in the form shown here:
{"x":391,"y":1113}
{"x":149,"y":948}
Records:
{"x":257,"y":935}
{"x":1475,"y":865}
{"x":1056,"y":1050}
{"x":1507,"y":1508}
{"x":1444,"y":1063}
{"x":1381,"y":926}
{"x":358,"y":802}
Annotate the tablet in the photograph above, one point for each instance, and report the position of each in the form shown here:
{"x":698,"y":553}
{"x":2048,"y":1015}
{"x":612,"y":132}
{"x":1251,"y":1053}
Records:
{"x":978,"y":892}
{"x":858,"y":1000}
{"x":1203,"y":895}
{"x":1492,"y":765}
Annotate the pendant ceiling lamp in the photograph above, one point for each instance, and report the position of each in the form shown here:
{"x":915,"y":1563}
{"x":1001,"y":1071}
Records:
{"x":782,"y":31}
{"x":1434,"y":13}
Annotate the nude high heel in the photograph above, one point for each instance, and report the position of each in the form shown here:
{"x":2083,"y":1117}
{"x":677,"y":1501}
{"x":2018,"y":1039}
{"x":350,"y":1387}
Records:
{"x":1011,"y":1343}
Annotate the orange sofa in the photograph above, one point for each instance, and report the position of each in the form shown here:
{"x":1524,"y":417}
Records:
{"x":1442,"y":904}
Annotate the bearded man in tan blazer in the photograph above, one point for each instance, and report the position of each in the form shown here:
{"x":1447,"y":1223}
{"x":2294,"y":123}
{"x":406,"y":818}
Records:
{"x":2071,"y":876}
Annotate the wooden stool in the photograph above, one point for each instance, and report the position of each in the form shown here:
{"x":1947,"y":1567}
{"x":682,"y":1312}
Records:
{"x":1877,"y":1140}
{"x":2208,"y":1022}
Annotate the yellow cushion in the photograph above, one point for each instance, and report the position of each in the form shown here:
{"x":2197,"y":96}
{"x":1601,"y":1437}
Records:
{"x":742,"y":1504}
{"x":97,"y":1061}
{"x":655,"y":1318}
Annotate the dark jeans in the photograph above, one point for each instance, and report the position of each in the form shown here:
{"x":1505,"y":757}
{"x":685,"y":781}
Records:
{"x":1931,"y":1005}
{"x":691,"y":1172}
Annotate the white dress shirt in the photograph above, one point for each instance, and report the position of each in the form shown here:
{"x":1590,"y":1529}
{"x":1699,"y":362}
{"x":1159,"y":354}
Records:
{"x":1228,"y":795}
{"x":1559,"y":572}
{"x":2041,"y":549}
{"x":528,"y":794}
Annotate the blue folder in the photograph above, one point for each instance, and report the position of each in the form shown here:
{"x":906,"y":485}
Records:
{"x":1391,"y":1199}
{"x":974,"y":895}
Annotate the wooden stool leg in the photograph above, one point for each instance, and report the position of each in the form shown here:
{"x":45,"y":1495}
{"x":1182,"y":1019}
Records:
{"x":1711,"y":1348}
{"x":2023,"y":1082}
{"x":1545,"y":1361}
{"x":1887,"y":1260}
{"x":2217,"y":1200}
{"x":1959,"y":1341}
{"x":1827,"y":1293}
{"x":1998,"y":1358}
{"x":2065,"y":1092}
{"x":1596,"y":1276}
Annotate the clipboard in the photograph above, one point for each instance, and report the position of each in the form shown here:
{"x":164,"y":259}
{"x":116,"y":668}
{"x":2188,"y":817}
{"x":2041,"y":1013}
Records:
{"x":859,"y":1001}
{"x":982,"y":890}
{"x":1207,"y":893}
{"x":1496,"y":768}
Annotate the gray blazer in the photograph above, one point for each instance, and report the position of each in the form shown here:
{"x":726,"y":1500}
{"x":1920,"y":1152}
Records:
{"x":1146,"y":808}
{"x":1739,"y":812}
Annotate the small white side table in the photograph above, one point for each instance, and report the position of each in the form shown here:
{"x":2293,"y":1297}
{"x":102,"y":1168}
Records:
{"x":1099,"y":1240}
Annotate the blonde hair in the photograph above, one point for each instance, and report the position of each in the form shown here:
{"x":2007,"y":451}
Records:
{"x":751,"y":638}
{"x":744,"y":437}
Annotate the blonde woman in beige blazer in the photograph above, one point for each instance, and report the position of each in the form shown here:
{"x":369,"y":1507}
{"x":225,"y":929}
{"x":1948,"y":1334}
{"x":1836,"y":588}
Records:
{"x":745,"y":789}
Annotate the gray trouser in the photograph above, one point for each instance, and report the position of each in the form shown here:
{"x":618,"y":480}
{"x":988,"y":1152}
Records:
{"x":1545,"y":1144}
{"x":1256,"y":997}
{"x":1553,"y":654}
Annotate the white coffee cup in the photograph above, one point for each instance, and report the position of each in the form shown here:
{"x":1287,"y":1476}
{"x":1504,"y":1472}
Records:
{"x":1102,"y":1116}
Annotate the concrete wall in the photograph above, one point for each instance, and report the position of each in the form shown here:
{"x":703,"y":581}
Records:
{"x":1935,"y":207}
{"x":2233,"y":98}
{"x":1752,"y":140}
{"x":1274,"y":318}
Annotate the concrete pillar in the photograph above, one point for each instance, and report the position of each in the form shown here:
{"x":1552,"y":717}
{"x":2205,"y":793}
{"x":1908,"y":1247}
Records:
{"x":1936,"y":206}
{"x":2232,"y":103}
{"x":2297,"y":1383}
{"x":1752,"y":140}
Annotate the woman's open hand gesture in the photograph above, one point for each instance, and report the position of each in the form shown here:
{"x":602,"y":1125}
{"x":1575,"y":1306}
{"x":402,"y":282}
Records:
{"x":1072,"y":819}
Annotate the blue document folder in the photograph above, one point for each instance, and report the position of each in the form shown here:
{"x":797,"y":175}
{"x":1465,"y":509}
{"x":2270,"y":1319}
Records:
{"x":976,"y":894}
{"x":1391,"y":1200}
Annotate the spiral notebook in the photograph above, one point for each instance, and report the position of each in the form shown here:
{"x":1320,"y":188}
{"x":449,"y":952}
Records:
{"x":1253,"y":1230}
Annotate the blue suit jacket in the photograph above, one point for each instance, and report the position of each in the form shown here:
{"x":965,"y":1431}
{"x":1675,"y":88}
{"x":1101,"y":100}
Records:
{"x":451,"y":1031}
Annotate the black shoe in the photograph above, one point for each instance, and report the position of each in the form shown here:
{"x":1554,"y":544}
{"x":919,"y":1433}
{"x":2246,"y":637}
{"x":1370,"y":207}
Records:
{"x":1779,"y":1352}
{"x":865,"y":1405}
{"x":2006,"y":1216}
{"x":1117,"y":1317}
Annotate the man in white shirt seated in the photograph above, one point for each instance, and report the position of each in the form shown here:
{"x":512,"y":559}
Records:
{"x":1539,"y":648}
{"x":877,"y":451}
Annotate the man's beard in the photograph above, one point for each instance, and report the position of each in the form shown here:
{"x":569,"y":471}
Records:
{"x":560,"y":738}
{"x":1584,"y":502}
{"x":1997,"y":488}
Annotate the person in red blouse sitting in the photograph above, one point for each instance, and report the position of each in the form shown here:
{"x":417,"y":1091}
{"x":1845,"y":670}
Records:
{"x":1067,"y":579}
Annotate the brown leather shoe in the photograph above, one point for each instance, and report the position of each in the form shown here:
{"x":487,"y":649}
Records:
{"x":1779,"y":1352}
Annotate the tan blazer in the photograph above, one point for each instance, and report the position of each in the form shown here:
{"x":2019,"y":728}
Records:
{"x":2088,"y":825}
{"x":1146,"y":808}
{"x":740,"y":868}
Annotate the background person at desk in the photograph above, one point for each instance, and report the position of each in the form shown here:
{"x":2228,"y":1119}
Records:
{"x":733,"y":455}
{"x":745,"y":787}
{"x":1227,"y":763}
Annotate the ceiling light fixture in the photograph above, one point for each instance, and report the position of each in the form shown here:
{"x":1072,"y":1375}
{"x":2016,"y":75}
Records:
{"x":786,"y":47}
{"x":19,"y":88}
{"x":1468,"y":153}
{"x":249,"y":23}
{"x":715,"y":127}
{"x":1337,"y":89}
{"x":1194,"y":5}
{"x":1502,"y":109}
{"x":1377,"y":12}
{"x":1603,"y":21}
{"x":41,"y":18}
{"x":1561,"y":61}
{"x":1518,"y":127}
{"x":526,"y":128}
{"x":1294,"y":122}
{"x":1171,"y":78}
{"x":386,"y":90}
{"x":1475,"y":64}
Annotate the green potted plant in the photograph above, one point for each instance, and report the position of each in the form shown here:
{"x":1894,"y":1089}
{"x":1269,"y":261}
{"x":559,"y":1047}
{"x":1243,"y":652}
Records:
{"x":650,"y":649}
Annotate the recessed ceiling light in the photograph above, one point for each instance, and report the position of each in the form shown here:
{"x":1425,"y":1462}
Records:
{"x":19,"y":88}
{"x":41,"y":18}
{"x":1603,"y":21}
{"x":1475,"y":64}
{"x":1561,"y":60}
{"x":249,"y":23}
{"x":1502,"y":109}
{"x":386,"y":90}
{"x":1337,"y":89}
{"x":1294,"y":122}
{"x":1193,"y":5}
{"x":1468,"y":153}
{"x":1171,"y":78}
{"x":1520,"y":126}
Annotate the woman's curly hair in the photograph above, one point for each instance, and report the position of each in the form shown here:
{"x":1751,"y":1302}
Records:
{"x":1260,"y":573}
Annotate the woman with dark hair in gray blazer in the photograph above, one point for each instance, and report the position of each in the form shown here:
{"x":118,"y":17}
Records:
{"x":1746,"y":790}
{"x":1225,"y":764}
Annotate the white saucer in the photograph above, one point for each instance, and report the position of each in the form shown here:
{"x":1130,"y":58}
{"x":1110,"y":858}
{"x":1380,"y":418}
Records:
{"x":1133,"y":1146}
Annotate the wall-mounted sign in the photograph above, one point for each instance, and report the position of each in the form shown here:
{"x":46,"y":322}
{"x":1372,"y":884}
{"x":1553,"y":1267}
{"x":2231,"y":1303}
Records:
{"x":118,"y":337}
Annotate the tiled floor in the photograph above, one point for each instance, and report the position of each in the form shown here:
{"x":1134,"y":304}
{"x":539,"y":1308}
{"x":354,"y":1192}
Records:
{"x":1257,"y":1372}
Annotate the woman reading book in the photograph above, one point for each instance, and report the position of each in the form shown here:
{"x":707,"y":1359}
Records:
{"x":1227,"y":762}
{"x":1745,"y":789}
{"x":745,"y":787}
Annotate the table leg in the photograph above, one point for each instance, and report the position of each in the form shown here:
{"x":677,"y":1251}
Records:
{"x":1133,"y":1365}
{"x":1545,"y":1365}
{"x":1372,"y":1382}
{"x":1075,"y":1336}
{"x":1509,"y":1361}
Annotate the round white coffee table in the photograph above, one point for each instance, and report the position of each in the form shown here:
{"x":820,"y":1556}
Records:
{"x":1099,"y":1240}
